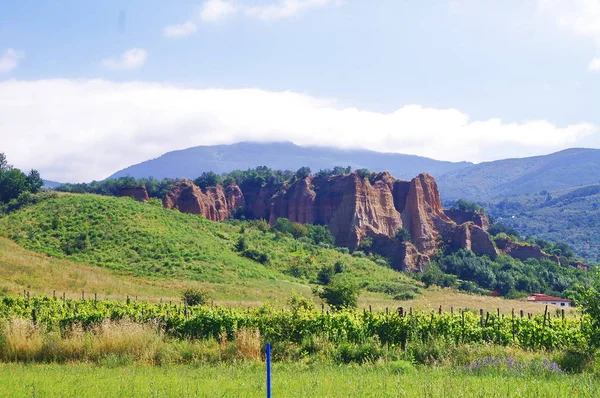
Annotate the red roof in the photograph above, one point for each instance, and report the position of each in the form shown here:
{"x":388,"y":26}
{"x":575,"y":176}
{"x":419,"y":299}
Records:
{"x":545,"y":297}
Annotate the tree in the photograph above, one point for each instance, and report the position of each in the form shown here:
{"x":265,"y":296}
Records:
{"x":303,"y":172}
{"x":193,"y":296}
{"x":4,"y":163}
{"x":464,"y":205}
{"x":589,"y":300}
{"x":403,"y":235}
{"x":340,"y":295}
{"x":207,"y":179}
{"x":320,"y":234}
{"x":13,"y":182}
{"x":34,"y":181}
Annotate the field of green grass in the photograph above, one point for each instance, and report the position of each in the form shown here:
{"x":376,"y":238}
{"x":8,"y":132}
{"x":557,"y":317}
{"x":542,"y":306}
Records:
{"x":289,"y":380}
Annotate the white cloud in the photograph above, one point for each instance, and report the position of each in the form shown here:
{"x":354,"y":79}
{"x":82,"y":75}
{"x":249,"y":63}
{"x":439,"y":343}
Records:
{"x":95,"y":127}
{"x":130,"y":59}
{"x":10,"y":60}
{"x":185,"y":29}
{"x":595,"y":64}
{"x":286,"y":8}
{"x":217,"y":10}
{"x":580,"y":17}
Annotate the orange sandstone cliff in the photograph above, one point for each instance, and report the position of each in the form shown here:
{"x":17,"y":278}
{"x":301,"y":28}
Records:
{"x":353,"y":207}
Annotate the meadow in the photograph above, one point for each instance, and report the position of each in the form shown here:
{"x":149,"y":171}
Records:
{"x":289,"y":380}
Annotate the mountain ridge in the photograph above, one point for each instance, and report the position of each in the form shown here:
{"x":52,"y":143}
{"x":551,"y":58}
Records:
{"x":191,"y":162}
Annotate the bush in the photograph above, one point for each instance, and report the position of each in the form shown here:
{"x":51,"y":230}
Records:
{"x":340,"y":295}
{"x":256,"y":256}
{"x":325,"y":275}
{"x":401,"y":367}
{"x":320,"y":234}
{"x":403,"y":235}
{"x":574,"y":361}
{"x":193,"y":296}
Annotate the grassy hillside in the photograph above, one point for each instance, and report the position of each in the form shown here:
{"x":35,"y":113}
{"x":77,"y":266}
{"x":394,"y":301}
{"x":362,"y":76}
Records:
{"x":146,"y":241}
{"x":503,"y":178}
{"x":570,"y":216}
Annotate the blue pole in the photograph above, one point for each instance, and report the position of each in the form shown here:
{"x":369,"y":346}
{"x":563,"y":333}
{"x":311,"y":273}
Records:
{"x":268,"y":370}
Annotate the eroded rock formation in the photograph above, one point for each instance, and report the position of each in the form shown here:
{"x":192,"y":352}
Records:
{"x":215,"y":203}
{"x":523,"y":251}
{"x":355,"y":207}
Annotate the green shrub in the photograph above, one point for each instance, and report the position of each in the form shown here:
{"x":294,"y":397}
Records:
{"x":573,"y":361}
{"x":256,"y":255}
{"x":193,"y":296}
{"x":401,"y":367}
{"x":340,"y":295}
{"x":403,"y":235}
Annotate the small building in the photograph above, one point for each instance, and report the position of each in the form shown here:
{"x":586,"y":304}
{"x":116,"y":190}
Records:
{"x":545,"y":299}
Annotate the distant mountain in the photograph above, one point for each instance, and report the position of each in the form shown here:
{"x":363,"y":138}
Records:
{"x":190,"y":163}
{"x":50,"y":184}
{"x":504,"y":178}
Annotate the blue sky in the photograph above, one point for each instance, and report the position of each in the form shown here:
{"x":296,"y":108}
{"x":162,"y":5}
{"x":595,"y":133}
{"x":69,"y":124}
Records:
{"x":97,"y":86}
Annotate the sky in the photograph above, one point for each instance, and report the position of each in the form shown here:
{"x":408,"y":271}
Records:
{"x":88,"y":88}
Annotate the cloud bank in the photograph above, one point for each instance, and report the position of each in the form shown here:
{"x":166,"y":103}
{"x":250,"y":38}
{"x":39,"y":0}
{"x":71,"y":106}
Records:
{"x":131,"y":59}
{"x":96,"y":127}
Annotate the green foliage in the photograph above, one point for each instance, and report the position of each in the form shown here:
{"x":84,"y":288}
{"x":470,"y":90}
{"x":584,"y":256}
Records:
{"x":500,"y":228}
{"x":319,"y":234}
{"x":325,"y":275}
{"x":303,"y":172}
{"x":402,"y":235}
{"x":464,"y":205}
{"x":112,"y":187}
{"x":193,"y":296}
{"x":589,"y":301}
{"x":340,"y":295}
{"x":208,"y":179}
{"x":16,"y":186}
{"x":337,"y":170}
{"x":417,"y":332}
{"x":364,"y":173}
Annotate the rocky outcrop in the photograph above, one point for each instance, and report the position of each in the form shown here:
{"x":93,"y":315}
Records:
{"x":461,"y":217}
{"x":138,"y":193}
{"x":350,"y":205}
{"x":354,"y":207}
{"x":523,"y":251}
{"x":472,"y":237}
{"x":214,"y":203}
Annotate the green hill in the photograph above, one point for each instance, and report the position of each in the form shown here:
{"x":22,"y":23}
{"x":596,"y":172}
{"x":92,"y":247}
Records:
{"x":146,"y":240}
{"x":570,"y":216}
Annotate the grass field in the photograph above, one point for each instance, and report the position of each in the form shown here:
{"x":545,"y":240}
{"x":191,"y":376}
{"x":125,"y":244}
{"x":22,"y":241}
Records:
{"x":289,"y":380}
